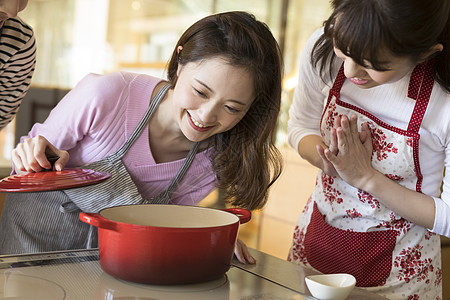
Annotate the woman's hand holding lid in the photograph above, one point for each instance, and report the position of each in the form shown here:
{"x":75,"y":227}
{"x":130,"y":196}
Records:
{"x":37,"y":154}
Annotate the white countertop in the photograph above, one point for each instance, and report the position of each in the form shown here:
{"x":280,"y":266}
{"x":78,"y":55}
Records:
{"x":77,"y":275}
{"x":291,"y":275}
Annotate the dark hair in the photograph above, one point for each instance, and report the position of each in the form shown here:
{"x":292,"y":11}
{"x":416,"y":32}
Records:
{"x":407,"y":28}
{"x":245,"y":159}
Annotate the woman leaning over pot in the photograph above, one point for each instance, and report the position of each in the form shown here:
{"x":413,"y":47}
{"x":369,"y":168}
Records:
{"x":214,"y":119}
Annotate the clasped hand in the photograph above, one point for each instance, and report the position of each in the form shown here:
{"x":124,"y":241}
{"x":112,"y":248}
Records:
{"x":349,"y":153}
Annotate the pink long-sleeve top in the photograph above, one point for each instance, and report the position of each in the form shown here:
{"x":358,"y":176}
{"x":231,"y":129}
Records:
{"x":96,"y":118}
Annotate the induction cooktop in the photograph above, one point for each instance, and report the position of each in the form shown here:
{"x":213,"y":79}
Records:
{"x":78,"y":275}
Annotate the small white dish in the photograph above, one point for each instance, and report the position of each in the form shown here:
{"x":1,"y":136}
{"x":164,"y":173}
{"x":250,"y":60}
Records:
{"x":330,"y":286}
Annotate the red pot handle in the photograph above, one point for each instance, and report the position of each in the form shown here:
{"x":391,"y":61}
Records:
{"x":98,"y":221}
{"x":243,"y":214}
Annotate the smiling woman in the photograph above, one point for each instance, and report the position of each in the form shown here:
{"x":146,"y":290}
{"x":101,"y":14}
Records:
{"x":371,"y":112}
{"x":203,"y":100}
{"x":367,"y":76}
{"x":141,"y":130}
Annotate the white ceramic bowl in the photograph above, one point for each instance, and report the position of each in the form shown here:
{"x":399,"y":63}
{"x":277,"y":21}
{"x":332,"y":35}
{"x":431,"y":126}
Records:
{"x":330,"y":286}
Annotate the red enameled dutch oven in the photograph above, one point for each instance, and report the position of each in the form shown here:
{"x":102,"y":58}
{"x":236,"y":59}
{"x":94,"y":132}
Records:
{"x":166,"y":244}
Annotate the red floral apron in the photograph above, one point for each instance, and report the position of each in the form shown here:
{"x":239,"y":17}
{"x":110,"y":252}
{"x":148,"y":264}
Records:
{"x":346,"y":230}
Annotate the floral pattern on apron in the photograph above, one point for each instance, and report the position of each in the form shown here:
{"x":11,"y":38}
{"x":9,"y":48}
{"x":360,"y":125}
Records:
{"x":346,"y":230}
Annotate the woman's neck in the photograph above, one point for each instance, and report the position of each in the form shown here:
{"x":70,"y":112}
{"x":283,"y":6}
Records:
{"x":167,"y":141}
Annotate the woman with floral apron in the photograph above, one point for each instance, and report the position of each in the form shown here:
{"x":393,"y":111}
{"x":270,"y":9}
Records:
{"x":382,"y":249}
{"x":372,"y":111}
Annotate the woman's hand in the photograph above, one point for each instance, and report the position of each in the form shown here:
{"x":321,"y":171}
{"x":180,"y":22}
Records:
{"x":353,"y":164}
{"x":327,"y":166}
{"x":353,"y":159}
{"x":242,"y":253}
{"x":31,"y":155}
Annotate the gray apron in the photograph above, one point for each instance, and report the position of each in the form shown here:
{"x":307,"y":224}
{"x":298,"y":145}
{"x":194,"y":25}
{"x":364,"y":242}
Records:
{"x":49,"y":221}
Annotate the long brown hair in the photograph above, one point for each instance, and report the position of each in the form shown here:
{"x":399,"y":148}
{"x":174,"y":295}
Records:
{"x":245,"y":159}
{"x":407,"y":28}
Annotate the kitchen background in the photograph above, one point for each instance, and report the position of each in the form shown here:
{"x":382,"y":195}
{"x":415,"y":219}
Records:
{"x":76,"y":37}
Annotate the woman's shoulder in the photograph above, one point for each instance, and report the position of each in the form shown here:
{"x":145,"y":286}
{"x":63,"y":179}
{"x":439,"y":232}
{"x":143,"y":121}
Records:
{"x":316,"y":35}
{"x":111,"y":82}
{"x":18,"y":28}
{"x":439,"y":103}
{"x":17,"y":38}
{"x":305,"y":53}
{"x":95,"y":84}
{"x":110,"y":91}
{"x":108,"y":78}
{"x":437,"y":115}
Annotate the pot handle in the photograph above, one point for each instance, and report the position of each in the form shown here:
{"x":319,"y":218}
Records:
{"x":243,"y":214}
{"x":97,"y":221}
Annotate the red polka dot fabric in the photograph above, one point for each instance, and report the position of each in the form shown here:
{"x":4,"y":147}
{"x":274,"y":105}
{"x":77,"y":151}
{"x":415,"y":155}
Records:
{"x":365,"y":255}
{"x":420,"y":91}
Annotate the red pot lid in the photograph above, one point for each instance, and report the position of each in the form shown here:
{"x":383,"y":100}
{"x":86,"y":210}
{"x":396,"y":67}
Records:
{"x":51,"y":180}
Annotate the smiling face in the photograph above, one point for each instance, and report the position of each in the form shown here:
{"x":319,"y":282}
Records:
{"x":10,"y":9}
{"x":211,"y":97}
{"x":367,"y":77}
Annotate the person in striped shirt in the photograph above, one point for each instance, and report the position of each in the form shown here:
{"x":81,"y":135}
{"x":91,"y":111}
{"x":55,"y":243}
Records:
{"x":17,"y":58}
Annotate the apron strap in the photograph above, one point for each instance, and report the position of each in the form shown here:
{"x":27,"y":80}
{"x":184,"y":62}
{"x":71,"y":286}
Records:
{"x":154,"y":103}
{"x":419,"y":89}
{"x":338,"y":83}
{"x":164,"y":197}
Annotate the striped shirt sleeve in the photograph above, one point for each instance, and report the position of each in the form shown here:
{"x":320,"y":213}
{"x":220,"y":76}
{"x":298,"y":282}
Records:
{"x":17,"y":63}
